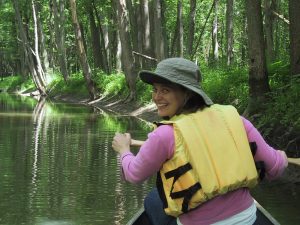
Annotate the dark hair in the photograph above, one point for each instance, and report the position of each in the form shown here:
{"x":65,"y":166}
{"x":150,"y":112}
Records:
{"x":193,"y":104}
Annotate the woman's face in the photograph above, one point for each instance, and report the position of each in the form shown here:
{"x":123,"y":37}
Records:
{"x":168,"y":99}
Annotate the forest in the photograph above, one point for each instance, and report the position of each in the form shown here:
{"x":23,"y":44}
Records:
{"x":249,"y":51}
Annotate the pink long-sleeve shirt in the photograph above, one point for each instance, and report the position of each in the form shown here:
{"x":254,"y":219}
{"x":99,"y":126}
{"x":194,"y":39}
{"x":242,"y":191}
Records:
{"x":159,"y":147}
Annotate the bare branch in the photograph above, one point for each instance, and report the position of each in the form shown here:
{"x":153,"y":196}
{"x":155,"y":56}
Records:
{"x":279,"y":16}
{"x":145,"y":56}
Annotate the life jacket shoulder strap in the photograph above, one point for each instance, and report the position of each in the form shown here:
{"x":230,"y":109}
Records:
{"x":260,"y":165}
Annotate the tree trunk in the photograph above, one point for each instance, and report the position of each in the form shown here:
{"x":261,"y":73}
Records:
{"x":114,"y":38}
{"x":42,"y":44}
{"x":215,"y":34}
{"x":145,"y":21}
{"x":276,"y":36}
{"x":28,"y":51}
{"x":294,"y":9}
{"x":23,"y":67}
{"x":191,"y":33}
{"x":158,"y":31}
{"x":164,"y":28}
{"x":39,"y":68}
{"x":175,"y":39}
{"x":180,"y":28}
{"x":59,"y":24}
{"x":243,"y":35}
{"x":138,"y":59}
{"x":269,"y":30}
{"x":51,"y":44}
{"x":127,"y":55}
{"x":104,"y":40}
{"x":229,"y":31}
{"x":177,"y":42}
{"x":81,"y":52}
{"x":95,"y":36}
{"x":133,"y":16}
{"x":118,"y":53}
{"x":258,"y":76}
{"x":81,"y":27}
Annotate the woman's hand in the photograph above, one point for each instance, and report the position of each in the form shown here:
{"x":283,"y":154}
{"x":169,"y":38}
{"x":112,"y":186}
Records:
{"x":121,"y":142}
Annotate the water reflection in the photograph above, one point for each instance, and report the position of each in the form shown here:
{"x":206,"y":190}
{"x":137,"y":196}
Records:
{"x":38,"y":118}
{"x":57,"y":166}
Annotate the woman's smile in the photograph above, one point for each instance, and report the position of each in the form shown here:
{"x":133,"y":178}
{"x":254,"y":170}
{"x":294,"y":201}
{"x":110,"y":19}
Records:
{"x":161,"y":105}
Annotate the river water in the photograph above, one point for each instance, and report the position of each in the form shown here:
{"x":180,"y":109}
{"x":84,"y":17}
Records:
{"x":57,"y":168}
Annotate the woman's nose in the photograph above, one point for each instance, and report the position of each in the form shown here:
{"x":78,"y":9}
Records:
{"x":156,"y":95}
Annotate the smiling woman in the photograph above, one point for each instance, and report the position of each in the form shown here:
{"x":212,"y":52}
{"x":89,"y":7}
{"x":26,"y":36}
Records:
{"x":200,"y":152}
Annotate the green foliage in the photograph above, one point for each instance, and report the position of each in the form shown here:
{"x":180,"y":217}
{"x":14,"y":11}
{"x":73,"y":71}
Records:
{"x":283,"y":109}
{"x":8,"y":37}
{"x":75,"y":86}
{"x":16,"y":84}
{"x":227,"y":86}
{"x":110,"y":85}
{"x":285,"y":105}
{"x":279,"y":74}
{"x":144,"y":92}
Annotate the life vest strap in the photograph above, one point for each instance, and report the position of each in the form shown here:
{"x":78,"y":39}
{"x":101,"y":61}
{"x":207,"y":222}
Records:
{"x":260,"y":165}
{"x":178,"y":172}
{"x":186,"y":194}
{"x":253,"y":148}
{"x":161,"y":191}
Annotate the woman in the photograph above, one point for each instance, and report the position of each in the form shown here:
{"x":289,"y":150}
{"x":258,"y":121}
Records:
{"x":202,"y":153}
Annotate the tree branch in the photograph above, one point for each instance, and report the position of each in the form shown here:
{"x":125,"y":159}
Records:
{"x":145,"y":56}
{"x":279,"y":16}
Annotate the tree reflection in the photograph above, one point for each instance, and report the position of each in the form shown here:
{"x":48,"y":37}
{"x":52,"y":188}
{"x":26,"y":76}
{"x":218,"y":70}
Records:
{"x":38,"y":118}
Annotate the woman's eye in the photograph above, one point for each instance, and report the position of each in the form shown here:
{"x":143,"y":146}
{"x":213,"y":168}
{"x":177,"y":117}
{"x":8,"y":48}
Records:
{"x":165,"y":91}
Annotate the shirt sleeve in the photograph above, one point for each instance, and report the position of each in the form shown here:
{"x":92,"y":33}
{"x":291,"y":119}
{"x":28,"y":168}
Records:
{"x":158,"y":148}
{"x":274,"y":161}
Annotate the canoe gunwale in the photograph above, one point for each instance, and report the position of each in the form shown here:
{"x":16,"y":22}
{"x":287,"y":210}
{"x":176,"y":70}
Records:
{"x":262,"y":213}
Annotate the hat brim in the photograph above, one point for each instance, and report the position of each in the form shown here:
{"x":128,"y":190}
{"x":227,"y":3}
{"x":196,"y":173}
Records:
{"x":151,"y":77}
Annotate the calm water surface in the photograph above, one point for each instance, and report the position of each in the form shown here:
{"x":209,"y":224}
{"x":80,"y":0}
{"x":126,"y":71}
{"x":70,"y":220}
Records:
{"x":57,"y":168}
{"x":57,"y":165}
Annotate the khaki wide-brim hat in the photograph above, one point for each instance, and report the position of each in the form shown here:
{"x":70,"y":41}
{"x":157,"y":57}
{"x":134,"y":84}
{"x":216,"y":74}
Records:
{"x":179,"y":71}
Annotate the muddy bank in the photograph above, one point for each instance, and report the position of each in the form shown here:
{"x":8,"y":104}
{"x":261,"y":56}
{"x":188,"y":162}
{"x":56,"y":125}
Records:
{"x":119,"y":106}
{"x":116,"y":106}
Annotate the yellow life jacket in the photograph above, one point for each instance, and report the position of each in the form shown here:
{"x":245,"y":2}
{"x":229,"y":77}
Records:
{"x":212,"y":157}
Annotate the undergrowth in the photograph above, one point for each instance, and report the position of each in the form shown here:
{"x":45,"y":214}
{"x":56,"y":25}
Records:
{"x":16,"y":84}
